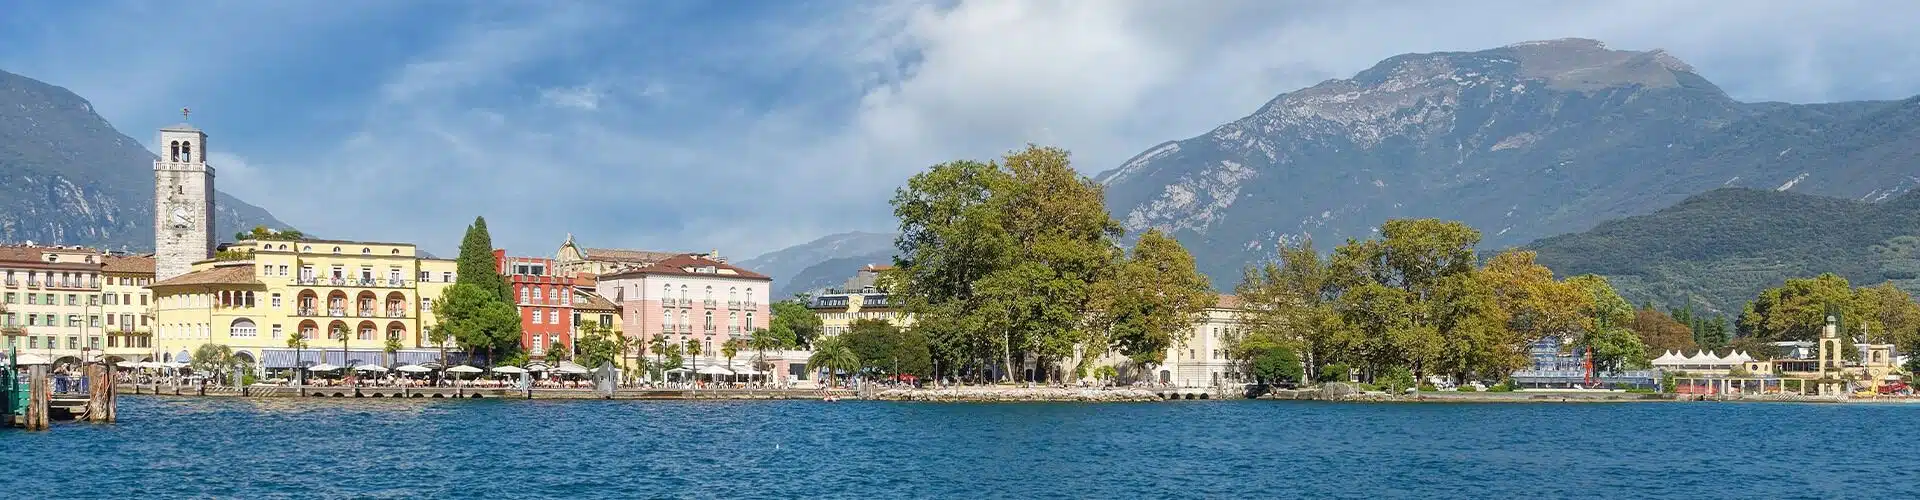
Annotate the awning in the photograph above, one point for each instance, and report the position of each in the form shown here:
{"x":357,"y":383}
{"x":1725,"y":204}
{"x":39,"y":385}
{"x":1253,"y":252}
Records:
{"x":747,"y":370}
{"x":26,"y":359}
{"x":714,"y":370}
{"x":322,"y":367}
{"x":572,"y":368}
{"x":412,"y":369}
{"x":370,"y":368}
{"x":510,"y":370}
{"x":464,"y":369}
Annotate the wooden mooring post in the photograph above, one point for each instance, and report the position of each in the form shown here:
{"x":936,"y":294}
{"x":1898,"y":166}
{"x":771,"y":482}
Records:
{"x":100,"y":394}
{"x":39,"y":394}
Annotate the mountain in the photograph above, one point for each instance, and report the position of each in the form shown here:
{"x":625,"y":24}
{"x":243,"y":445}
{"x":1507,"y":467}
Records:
{"x":1722,"y":247}
{"x":1523,"y":141}
{"x":73,"y":179}
{"x":821,"y":263}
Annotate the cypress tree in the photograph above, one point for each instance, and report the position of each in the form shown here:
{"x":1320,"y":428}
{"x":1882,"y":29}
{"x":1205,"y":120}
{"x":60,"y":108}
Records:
{"x":476,"y":264}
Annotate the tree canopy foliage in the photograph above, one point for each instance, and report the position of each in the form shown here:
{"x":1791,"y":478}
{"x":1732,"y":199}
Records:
{"x":1018,"y":258}
{"x":794,"y":324}
{"x":478,"y":312}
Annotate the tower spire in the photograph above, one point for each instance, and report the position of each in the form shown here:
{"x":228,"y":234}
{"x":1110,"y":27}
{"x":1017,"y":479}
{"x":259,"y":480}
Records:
{"x":185,"y":113}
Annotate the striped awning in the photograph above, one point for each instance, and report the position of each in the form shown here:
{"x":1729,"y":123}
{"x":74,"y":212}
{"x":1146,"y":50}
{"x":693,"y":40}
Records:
{"x":284,"y":358}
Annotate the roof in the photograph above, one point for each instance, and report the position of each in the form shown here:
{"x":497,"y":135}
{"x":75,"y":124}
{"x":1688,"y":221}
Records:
{"x":1227,"y":302}
{"x":129,"y":264}
{"x":686,"y":265}
{"x":879,"y":267}
{"x":180,"y":127}
{"x":623,"y":255}
{"x":35,"y":256}
{"x":589,"y":301}
{"x":219,"y":275}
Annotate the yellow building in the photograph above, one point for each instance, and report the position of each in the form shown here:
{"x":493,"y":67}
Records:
{"x":52,"y":304}
{"x":860,"y":298}
{"x":344,"y":298}
{"x":128,"y":307}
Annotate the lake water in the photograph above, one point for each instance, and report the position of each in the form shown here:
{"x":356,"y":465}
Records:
{"x":187,"y":447}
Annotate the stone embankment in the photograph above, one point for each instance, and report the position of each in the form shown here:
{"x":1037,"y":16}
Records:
{"x":1017,"y":394}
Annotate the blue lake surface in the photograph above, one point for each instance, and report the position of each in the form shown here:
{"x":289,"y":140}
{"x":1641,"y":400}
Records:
{"x":208,"y":447}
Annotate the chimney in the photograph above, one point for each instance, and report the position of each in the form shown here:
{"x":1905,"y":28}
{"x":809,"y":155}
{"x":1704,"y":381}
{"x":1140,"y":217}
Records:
{"x":500,"y":260}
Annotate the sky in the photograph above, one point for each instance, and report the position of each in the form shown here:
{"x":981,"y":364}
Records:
{"x":746,"y":126}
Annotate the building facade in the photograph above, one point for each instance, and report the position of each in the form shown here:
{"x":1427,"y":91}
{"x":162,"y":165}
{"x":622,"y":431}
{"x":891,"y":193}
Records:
{"x":183,"y":212}
{"x":545,"y":299}
{"x":128,"y":307}
{"x":1204,"y":359}
{"x":574,"y":261}
{"x":52,"y":297}
{"x":344,"y":299}
{"x":689,"y":298}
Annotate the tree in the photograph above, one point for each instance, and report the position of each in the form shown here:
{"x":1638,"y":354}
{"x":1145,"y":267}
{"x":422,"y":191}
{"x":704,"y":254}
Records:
{"x":793,"y":321}
{"x":1277,"y":364}
{"x":998,"y":257}
{"x":390,"y":350}
{"x":692,"y":350}
{"x":1612,"y":345}
{"x":477,"y":321}
{"x":1889,"y":316}
{"x":264,"y":233}
{"x":599,"y":345}
{"x":1539,"y":307}
{"x":833,"y":355}
{"x":439,"y":336}
{"x":1396,"y":293}
{"x":1797,"y":309}
{"x":298,"y":342}
{"x":730,"y":348}
{"x":1662,"y":333}
{"x":1291,"y":303}
{"x":476,"y":266}
{"x":214,"y":359}
{"x":1149,"y":303}
{"x":559,"y":352}
{"x":340,"y":333}
{"x":659,"y":345}
{"x":761,"y":341}
{"x":884,"y":348}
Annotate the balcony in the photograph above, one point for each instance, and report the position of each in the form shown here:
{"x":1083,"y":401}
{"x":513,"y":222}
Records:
{"x":749,"y":304}
{"x":365,"y":313}
{"x":733,"y":304}
{"x":11,"y":282}
{"x":337,"y":313}
{"x":352,"y":282}
{"x":733,"y":330}
{"x":33,"y":283}
{"x":709,"y":303}
{"x":308,"y":311}
{"x":685,"y":328}
{"x":668,"y":302}
{"x":666,"y":328}
{"x":396,"y":313}
{"x":708,"y":328}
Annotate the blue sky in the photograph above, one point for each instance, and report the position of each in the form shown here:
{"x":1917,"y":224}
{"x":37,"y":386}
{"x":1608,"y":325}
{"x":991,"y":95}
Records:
{"x":747,"y":126}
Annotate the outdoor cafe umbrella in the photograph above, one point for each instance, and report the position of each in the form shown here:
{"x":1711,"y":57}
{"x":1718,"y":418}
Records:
{"x":412,"y":369}
{"x":568,"y":367}
{"x":714,"y":370}
{"x":464,"y":369}
{"x":322,"y":367}
{"x":128,"y":364}
{"x":26,"y":359}
{"x":509,"y":370}
{"x":370,"y":368}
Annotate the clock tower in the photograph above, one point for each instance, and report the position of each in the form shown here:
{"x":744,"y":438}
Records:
{"x":182,"y":201}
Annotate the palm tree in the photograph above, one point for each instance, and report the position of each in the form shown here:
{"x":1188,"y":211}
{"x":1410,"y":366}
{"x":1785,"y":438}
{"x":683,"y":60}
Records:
{"x":833,"y":355}
{"x":659,"y":344}
{"x":297,"y":341}
{"x":341,"y":331}
{"x":762,"y":340}
{"x":731,"y":348}
{"x":391,"y":349}
{"x":215,"y":359}
{"x":693,"y":353}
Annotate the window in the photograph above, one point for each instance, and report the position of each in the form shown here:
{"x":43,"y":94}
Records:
{"x":446,"y":277}
{"x":306,"y":272}
{"x":536,"y":294}
{"x":33,"y":342}
{"x":749,"y":321}
{"x":73,"y":320}
{"x":113,"y":300}
{"x":276,"y":300}
{"x":126,"y":321}
{"x":339,"y":272}
{"x":393,"y":274}
{"x":426,"y":276}
{"x":537,"y":341}
{"x":283,"y":270}
{"x":13,"y":298}
{"x":523,"y":294}
{"x":366,"y":273}
{"x":93,"y":300}
{"x":143,"y":298}
{"x":366,"y":332}
{"x":566,"y":299}
{"x":426,"y":304}
{"x":553,"y":316}
{"x":536,"y":317}
{"x":73,"y":300}
{"x":93,"y":321}
{"x":33,"y":320}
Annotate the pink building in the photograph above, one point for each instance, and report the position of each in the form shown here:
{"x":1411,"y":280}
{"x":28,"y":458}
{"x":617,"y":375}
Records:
{"x":691,"y":297}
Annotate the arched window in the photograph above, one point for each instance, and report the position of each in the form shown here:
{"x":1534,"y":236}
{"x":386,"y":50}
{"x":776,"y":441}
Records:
{"x":749,"y":321}
{"x":186,"y":152}
{"x":176,"y":151}
{"x":683,"y":318}
{"x":709,"y":292}
{"x":249,"y":299}
{"x":733,"y":321}
{"x":666,"y":291}
{"x":537,"y":295}
{"x":523,"y":294}
{"x":709,"y":322}
{"x":732,"y":296}
{"x":366,"y":251}
{"x":242,"y":327}
{"x":749,"y":295}
{"x":683,"y":292}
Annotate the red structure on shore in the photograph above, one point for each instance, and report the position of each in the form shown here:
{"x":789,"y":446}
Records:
{"x":545,"y":299}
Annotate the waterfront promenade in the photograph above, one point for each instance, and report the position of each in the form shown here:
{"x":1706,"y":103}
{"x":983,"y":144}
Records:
{"x":282,"y":391}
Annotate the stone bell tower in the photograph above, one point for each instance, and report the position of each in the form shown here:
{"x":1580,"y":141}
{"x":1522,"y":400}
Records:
{"x":182,"y":202}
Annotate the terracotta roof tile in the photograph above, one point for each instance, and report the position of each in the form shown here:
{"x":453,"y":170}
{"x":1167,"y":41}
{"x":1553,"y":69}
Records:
{"x":623,"y":255}
{"x":688,"y":265}
{"x":589,"y":301}
{"x":222,"y":275}
{"x":1227,"y":302}
{"x":35,"y":257}
{"x":131,"y":264}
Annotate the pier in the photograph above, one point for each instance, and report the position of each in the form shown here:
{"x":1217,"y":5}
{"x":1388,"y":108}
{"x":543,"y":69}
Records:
{"x":32,"y":398}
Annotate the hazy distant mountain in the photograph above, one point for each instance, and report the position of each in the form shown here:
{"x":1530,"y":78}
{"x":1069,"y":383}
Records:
{"x":1723,"y":247}
{"x":72,"y":179}
{"x":1523,"y":141}
{"x":816,"y":264}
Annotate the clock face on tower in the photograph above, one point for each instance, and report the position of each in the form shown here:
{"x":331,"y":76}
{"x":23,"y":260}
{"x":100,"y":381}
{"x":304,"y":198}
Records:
{"x":179,"y":218}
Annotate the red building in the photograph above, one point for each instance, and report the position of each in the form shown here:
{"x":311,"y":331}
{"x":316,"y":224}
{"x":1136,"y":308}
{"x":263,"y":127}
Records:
{"x":545,"y":299}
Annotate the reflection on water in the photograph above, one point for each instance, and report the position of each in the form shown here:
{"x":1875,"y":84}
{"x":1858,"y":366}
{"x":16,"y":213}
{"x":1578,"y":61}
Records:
{"x":324,"y":447}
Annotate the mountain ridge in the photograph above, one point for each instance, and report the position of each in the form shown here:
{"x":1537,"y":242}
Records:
{"x":1523,"y":141}
{"x":82,"y":182}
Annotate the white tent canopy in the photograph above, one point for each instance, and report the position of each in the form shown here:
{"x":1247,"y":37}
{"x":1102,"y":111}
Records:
{"x":464,"y":369}
{"x":714,"y":370}
{"x":747,"y":370}
{"x":322,"y":367}
{"x":510,"y":370}
{"x":27,"y":359}
{"x":412,"y":369}
{"x":370,"y":368}
{"x":568,"y":367}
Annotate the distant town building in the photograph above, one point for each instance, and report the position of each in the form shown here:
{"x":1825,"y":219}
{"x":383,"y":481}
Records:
{"x":689,"y":298}
{"x":545,"y":299}
{"x":183,"y":215}
{"x":860,"y":298}
{"x":53,"y":301}
{"x":1203,"y":359}
{"x":336,"y":294}
{"x":573,"y":260}
{"x":128,"y":307}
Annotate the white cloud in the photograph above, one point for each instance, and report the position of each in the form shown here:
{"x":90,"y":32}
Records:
{"x":763,"y":133}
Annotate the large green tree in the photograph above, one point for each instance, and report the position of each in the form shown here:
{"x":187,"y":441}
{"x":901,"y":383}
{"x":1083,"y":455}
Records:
{"x":1150,"y":302}
{"x":1797,"y":309}
{"x":794,"y":323}
{"x":475,"y":264}
{"x":1613,"y":345}
{"x":888,"y":349}
{"x":1002,"y":258}
{"x":478,"y":311}
{"x":1291,"y":304}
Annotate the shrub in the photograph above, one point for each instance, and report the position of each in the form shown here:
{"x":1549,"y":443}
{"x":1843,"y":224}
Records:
{"x":1466,"y":388}
{"x":1500,"y":387}
{"x":1395,"y":380}
{"x":246,"y":379}
{"x":1426,"y":387}
{"x":1336,"y":372}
